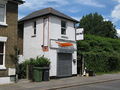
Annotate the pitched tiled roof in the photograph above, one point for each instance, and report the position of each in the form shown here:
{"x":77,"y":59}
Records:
{"x":46,"y":11}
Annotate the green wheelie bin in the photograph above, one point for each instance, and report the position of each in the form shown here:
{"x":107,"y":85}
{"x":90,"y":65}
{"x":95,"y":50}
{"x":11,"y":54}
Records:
{"x":37,"y":74}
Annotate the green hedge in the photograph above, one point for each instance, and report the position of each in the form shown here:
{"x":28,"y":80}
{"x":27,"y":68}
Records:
{"x":100,"y":54}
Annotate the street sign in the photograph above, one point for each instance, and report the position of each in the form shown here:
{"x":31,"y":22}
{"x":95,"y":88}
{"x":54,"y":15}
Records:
{"x":80,"y":34}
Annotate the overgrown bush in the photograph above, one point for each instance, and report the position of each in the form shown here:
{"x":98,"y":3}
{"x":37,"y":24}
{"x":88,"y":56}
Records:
{"x":100,"y":54}
{"x":36,"y":62}
{"x":41,"y":62}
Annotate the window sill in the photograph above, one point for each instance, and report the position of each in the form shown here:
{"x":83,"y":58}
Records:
{"x":3,"y":24}
{"x":64,"y":36}
{"x":34,"y":35}
{"x":2,"y":68}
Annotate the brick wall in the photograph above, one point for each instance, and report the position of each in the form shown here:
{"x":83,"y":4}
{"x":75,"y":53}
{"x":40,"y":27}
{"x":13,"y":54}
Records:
{"x":10,"y":31}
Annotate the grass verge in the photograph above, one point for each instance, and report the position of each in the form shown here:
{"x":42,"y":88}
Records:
{"x":112,"y":72}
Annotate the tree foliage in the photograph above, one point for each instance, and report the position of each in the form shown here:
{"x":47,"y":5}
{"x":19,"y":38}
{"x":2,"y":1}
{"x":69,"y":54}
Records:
{"x":100,"y":54}
{"x":96,"y":25}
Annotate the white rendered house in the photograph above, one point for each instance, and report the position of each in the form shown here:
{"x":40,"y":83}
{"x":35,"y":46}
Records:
{"x":50,"y":33}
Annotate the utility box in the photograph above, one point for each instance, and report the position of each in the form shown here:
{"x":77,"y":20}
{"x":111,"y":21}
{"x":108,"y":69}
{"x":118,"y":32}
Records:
{"x":12,"y":74}
{"x":11,"y":71}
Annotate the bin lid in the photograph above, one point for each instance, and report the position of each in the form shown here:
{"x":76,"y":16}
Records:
{"x":41,"y":67}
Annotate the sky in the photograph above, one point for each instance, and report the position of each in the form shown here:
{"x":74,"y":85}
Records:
{"x":109,"y":9}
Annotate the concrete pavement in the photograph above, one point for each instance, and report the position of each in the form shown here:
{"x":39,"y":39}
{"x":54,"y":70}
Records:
{"x":60,"y":83}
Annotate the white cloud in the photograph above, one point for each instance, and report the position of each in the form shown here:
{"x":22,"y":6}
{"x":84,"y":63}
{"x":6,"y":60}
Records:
{"x":77,"y":18}
{"x":117,"y":0}
{"x":35,"y":4}
{"x":118,"y":32}
{"x":20,"y":16}
{"x":106,"y":18}
{"x":74,"y":10}
{"x":116,"y":12}
{"x":90,"y":3}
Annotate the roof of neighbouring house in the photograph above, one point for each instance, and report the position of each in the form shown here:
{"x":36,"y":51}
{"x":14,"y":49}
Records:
{"x":18,"y":1}
{"x":46,"y":11}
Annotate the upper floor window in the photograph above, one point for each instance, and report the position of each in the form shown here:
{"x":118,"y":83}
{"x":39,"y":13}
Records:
{"x":34,"y":29}
{"x":2,"y":13}
{"x":63,"y":27}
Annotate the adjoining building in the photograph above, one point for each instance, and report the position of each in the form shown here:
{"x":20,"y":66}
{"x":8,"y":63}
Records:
{"x":50,"y":33}
{"x":8,"y":38}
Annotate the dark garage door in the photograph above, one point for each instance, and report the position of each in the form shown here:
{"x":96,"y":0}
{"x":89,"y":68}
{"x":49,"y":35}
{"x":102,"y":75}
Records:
{"x":64,"y":66}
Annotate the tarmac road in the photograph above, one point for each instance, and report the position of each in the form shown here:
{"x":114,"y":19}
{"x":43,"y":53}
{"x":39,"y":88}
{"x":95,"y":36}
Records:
{"x":111,"y":85}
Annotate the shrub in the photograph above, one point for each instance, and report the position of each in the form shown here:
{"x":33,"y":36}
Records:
{"x":37,"y":62}
{"x":41,"y":62}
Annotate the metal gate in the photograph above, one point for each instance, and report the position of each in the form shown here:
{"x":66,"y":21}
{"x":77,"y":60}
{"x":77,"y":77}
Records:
{"x":64,"y":65}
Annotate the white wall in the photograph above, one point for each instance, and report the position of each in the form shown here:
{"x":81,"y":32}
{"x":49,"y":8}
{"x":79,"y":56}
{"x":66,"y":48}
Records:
{"x":32,"y":45}
{"x":55,"y":27}
{"x":55,"y":33}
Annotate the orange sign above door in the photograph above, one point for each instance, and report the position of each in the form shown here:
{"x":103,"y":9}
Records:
{"x":64,"y":44}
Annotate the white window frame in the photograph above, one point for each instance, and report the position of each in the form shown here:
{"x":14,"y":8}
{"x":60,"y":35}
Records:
{"x":3,"y":40}
{"x":3,"y":66}
{"x":4,"y":23}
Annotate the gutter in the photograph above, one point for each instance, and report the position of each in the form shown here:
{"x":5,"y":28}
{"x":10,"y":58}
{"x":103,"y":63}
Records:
{"x":17,"y":1}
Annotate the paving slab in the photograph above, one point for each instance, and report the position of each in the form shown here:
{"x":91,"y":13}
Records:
{"x":60,"y":83}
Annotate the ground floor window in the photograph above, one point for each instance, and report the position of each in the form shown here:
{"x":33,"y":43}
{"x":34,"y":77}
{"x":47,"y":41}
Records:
{"x":2,"y":53}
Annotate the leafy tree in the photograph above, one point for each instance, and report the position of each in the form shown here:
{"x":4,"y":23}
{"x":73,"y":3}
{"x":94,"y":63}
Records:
{"x":95,"y":24}
{"x":100,"y":54}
